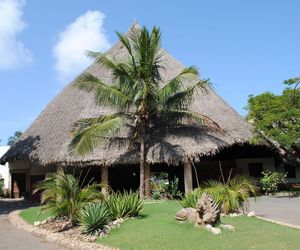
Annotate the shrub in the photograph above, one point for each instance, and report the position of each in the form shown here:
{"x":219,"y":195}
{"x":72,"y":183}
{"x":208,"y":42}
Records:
{"x":1,"y":187}
{"x":191,"y":198}
{"x":92,"y":217}
{"x":271,"y":180}
{"x":170,"y":190}
{"x":162,"y":189}
{"x":64,"y":196}
{"x":230,"y":196}
{"x":122,"y":205}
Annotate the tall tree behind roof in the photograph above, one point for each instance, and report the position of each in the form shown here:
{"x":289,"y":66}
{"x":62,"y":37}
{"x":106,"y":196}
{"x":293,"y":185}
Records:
{"x":12,"y":139}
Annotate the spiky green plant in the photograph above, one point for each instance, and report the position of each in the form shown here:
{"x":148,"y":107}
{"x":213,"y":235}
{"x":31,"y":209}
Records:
{"x":124,"y":204}
{"x":93,"y":217}
{"x":230,"y":196}
{"x":142,"y":105}
{"x":191,"y":198}
{"x":64,"y":196}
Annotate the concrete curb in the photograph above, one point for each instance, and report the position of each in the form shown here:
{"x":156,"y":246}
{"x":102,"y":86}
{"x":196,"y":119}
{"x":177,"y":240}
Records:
{"x":61,"y":240}
{"x":278,"y":222}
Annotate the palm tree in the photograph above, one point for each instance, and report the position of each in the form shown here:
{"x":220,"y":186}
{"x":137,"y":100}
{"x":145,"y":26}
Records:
{"x":64,"y":195}
{"x":141,"y":104}
{"x":12,"y":139}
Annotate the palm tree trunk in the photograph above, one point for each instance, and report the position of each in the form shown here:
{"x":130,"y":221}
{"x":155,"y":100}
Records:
{"x":188,"y":178}
{"x":142,"y":167}
{"x":104,"y":180}
{"x":147,"y":181}
{"x":143,"y":127}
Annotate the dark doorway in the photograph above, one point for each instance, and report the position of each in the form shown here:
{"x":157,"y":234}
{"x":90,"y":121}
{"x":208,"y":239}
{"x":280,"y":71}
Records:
{"x":124,"y":177}
{"x":34,"y":180}
{"x":18,"y":185}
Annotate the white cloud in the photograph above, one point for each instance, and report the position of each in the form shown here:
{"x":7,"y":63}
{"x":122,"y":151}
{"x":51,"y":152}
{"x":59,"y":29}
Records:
{"x":85,"y":33}
{"x":13,"y":53}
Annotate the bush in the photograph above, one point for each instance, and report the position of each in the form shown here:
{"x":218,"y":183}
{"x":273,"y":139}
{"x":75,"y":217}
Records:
{"x":191,"y":198}
{"x":230,"y":196}
{"x":122,"y":205}
{"x":64,"y":196}
{"x":1,"y":187}
{"x":271,"y":180}
{"x":93,"y":217}
{"x":162,"y":189}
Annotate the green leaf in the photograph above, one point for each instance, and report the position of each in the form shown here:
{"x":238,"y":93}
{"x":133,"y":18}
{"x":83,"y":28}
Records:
{"x":104,"y":93}
{"x":92,"y":132}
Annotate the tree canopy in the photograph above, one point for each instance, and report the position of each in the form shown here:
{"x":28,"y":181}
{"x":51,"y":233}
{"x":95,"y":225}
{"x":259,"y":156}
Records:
{"x":277,"y":116}
{"x":12,"y":139}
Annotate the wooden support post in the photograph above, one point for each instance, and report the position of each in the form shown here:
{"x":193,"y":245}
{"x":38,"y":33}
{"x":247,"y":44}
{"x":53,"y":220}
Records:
{"x":188,"y":178}
{"x":104,"y":180}
{"x":27,"y":184}
{"x":147,"y":181}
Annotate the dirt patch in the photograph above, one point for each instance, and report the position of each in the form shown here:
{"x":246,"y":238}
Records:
{"x":59,"y":232}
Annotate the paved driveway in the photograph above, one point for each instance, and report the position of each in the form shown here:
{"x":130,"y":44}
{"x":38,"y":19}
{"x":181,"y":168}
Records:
{"x":15,"y":239}
{"x":283,"y":209}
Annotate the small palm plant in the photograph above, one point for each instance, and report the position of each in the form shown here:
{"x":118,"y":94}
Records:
{"x":64,"y":196}
{"x":144,"y":103}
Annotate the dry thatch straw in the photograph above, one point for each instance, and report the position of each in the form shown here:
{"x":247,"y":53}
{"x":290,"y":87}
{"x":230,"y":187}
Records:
{"x":47,"y":140}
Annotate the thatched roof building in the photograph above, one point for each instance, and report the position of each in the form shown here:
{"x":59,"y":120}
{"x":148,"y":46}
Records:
{"x":46,"y":141}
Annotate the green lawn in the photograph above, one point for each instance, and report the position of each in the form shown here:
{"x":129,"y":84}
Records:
{"x":157,"y":229}
{"x":33,"y":214}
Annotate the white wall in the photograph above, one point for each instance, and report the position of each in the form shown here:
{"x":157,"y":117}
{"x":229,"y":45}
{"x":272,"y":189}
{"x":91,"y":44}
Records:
{"x":4,"y":169}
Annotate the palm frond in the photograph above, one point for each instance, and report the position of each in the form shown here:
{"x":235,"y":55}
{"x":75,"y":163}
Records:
{"x":148,"y":53}
{"x":93,"y":55}
{"x":123,"y":72}
{"x":104,"y":93}
{"x":126,"y":42}
{"x":175,"y":85}
{"x":187,"y":117}
{"x":92,"y":132}
{"x":185,"y":97}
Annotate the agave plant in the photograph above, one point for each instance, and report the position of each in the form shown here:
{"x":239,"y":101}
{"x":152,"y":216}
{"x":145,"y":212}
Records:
{"x":191,"y":198}
{"x":126,"y":204}
{"x":230,"y":196}
{"x":93,"y":217}
{"x":64,"y":196}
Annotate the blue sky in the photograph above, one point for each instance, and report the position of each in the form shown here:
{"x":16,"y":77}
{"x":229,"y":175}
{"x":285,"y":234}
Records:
{"x":244,"y":47}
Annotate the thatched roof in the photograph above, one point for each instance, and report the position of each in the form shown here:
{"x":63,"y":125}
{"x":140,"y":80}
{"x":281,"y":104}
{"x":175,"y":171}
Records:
{"x":47,"y":139}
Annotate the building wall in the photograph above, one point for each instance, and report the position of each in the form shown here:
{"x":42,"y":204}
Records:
{"x":4,"y":169}
{"x":268,"y":164}
{"x":297,"y":179}
{"x":32,"y":174}
{"x":34,"y":169}
{"x":242,"y":164}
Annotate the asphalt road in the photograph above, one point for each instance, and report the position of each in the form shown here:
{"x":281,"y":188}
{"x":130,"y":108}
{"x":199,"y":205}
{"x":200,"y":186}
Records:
{"x":15,"y":239}
{"x":283,"y":209}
